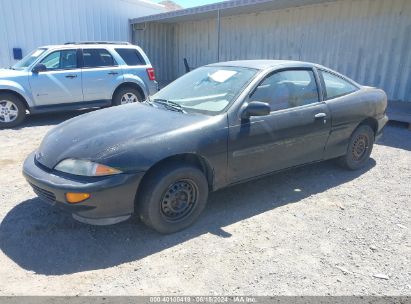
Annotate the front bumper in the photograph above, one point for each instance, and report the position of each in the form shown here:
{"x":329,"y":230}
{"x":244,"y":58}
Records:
{"x":112,"y":197}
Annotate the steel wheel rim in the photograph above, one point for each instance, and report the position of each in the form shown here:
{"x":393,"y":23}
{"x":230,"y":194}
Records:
{"x":179,"y":200}
{"x":360,"y":147}
{"x":128,"y":98}
{"x":8,"y":111}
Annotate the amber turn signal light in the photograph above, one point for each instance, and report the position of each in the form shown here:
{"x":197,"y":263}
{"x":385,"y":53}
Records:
{"x":74,"y":198}
{"x":101,"y":170}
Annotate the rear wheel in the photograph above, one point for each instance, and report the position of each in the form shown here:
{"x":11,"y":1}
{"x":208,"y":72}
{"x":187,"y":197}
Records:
{"x":12,"y":110}
{"x":359,"y":148}
{"x":172,"y":198}
{"x":127,"y":95}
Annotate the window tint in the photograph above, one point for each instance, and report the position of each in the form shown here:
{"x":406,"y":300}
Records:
{"x":287,"y":89}
{"x":97,"y":58}
{"x":336,"y":86}
{"x":61,"y":60}
{"x":131,"y":56}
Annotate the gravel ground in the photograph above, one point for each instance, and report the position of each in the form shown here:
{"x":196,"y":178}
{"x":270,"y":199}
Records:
{"x":316,"y":230}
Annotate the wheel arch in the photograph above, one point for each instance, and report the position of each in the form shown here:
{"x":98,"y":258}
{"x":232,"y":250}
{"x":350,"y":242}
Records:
{"x":185,"y":158}
{"x":369,"y":121}
{"x":18,"y":95}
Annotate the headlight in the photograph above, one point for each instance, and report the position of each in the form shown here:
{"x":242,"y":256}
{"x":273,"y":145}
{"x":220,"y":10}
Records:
{"x":84,"y":168}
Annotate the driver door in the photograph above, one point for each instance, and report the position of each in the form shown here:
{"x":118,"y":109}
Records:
{"x":60,"y":83}
{"x":294,"y":133}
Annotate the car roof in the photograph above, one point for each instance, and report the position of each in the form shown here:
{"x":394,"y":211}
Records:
{"x":265,"y":64}
{"x":269,"y":64}
{"x":87,"y":46}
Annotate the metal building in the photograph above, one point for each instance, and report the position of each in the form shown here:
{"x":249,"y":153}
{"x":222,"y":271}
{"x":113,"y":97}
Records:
{"x":368,"y":40}
{"x":27,"y":24}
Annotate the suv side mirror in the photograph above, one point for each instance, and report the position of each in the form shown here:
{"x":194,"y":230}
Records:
{"x":39,"y":68}
{"x":255,"y":108}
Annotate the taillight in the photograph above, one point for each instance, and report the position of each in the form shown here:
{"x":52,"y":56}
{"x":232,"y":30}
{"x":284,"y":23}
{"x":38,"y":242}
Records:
{"x":151,"y":74}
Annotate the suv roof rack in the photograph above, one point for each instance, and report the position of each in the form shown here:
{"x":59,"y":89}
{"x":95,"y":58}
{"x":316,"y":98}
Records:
{"x":100,"y":42}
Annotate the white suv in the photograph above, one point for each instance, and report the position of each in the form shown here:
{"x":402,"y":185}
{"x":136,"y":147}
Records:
{"x":74,"y":76}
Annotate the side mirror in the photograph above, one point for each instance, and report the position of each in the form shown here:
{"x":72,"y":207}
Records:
{"x":255,"y":108}
{"x":39,"y":68}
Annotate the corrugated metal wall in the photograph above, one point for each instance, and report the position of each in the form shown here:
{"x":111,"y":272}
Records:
{"x":30,"y":23}
{"x":368,"y":40}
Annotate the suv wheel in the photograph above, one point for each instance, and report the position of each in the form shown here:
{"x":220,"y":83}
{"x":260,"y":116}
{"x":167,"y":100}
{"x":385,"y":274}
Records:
{"x":127,"y":95}
{"x":12,"y":110}
{"x":173,"y":197}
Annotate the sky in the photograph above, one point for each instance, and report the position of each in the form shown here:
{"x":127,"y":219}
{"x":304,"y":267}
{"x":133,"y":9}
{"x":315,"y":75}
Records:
{"x":191,"y":3}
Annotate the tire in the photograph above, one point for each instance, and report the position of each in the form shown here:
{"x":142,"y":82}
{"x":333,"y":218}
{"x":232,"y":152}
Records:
{"x":132,"y":93}
{"x":164,"y":202}
{"x":10,"y":104}
{"x":359,"y":148}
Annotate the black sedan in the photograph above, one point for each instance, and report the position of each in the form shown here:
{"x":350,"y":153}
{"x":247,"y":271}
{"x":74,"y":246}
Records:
{"x":218,"y":125}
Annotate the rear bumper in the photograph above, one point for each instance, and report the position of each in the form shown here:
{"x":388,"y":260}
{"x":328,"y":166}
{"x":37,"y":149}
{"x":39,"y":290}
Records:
{"x":153,"y":87}
{"x":112,"y":197}
{"x":381,"y":124}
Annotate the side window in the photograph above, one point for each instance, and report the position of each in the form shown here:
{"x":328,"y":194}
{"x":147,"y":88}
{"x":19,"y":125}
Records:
{"x":287,"y":89}
{"x":336,"y":86}
{"x":61,"y":60}
{"x":131,"y":56}
{"x":97,"y":58}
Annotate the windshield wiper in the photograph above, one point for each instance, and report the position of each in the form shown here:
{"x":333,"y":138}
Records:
{"x":171,"y":105}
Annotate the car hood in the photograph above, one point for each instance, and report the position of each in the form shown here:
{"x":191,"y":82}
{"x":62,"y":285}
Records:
{"x":98,"y":135}
{"x":9,"y":73}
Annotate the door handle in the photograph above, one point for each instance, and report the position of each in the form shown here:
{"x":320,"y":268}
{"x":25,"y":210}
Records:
{"x":113,"y":73}
{"x":320,"y":115}
{"x":71,"y":76}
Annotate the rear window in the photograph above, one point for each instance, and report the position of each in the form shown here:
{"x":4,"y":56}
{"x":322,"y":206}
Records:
{"x":131,"y":56}
{"x":336,"y":86}
{"x":97,"y":58}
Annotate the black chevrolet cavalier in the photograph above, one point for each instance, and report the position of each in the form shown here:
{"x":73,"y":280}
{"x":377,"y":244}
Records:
{"x":218,"y":125}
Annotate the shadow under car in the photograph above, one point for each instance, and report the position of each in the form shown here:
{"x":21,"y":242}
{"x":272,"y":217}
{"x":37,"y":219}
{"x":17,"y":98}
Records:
{"x":42,"y":239}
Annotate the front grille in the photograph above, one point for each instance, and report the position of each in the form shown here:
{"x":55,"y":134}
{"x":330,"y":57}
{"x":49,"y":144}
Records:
{"x":45,"y":195}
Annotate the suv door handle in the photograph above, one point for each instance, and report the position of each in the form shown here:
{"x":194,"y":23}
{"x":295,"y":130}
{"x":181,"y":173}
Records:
{"x":112,"y":73}
{"x":320,"y":115}
{"x":71,"y":76}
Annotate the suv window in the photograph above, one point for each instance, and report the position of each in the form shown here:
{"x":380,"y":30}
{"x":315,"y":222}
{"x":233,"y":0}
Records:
{"x":97,"y":58}
{"x":131,"y":56}
{"x":336,"y":86}
{"x":287,"y":89}
{"x":61,"y":60}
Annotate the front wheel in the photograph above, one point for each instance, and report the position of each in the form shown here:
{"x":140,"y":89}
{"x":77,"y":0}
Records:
{"x":12,"y":110}
{"x":359,"y":148}
{"x":172,"y":198}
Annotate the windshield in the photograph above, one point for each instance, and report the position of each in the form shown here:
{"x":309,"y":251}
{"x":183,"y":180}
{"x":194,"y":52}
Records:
{"x":208,"y":90}
{"x":29,"y":59}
